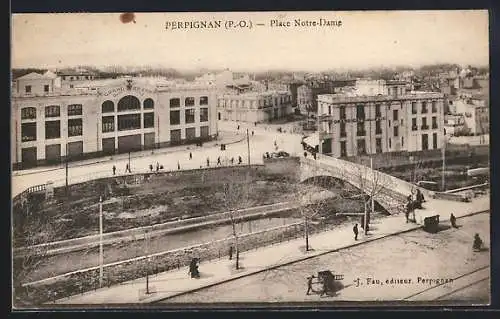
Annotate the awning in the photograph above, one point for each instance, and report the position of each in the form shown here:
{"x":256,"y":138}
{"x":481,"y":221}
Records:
{"x":312,"y":140}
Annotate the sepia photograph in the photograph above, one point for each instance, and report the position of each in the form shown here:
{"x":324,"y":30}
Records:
{"x":250,"y":159}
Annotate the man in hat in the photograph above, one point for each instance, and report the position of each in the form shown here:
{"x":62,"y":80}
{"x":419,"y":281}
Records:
{"x":355,"y":231}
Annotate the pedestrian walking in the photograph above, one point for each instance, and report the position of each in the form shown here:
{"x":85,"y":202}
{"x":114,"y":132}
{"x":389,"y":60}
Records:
{"x":157,"y":167}
{"x":127,"y":169}
{"x":232,"y":160}
{"x":314,"y":155}
{"x":190,"y":156}
{"x":178,"y":165}
{"x":309,"y":284}
{"x":238,"y":127}
{"x":305,"y":154}
{"x":114,"y":170}
{"x":255,"y":123}
{"x":150,"y":167}
{"x":453,"y":221}
{"x":230,"y":252}
{"x":478,"y":243}
{"x":218,"y":161}
{"x":208,"y":162}
{"x":355,"y":231}
{"x":240,"y":160}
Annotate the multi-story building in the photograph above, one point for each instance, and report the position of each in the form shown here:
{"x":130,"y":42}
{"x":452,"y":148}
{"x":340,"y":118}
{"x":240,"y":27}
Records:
{"x":105,"y":117}
{"x":474,"y":113}
{"x":392,"y":120}
{"x":72,"y":77}
{"x":307,"y":94}
{"x":254,"y":106}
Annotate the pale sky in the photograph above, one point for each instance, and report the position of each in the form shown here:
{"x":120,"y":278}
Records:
{"x":365,"y":39}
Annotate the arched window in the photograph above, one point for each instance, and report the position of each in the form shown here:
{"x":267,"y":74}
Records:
{"x":129,"y":102}
{"x":149,"y":104}
{"x":28,"y":113}
{"x":108,"y":106}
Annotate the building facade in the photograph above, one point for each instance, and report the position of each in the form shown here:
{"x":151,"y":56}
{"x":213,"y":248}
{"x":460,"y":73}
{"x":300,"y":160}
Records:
{"x":106,"y":117}
{"x":391,"y":121}
{"x":254,"y":106}
{"x":474,"y":114}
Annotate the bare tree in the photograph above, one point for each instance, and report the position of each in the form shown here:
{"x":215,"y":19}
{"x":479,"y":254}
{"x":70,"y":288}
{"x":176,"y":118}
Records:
{"x":234,"y":197}
{"x":370,"y":184}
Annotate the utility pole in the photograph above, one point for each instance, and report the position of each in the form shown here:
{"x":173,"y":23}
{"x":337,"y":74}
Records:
{"x":235,"y":240}
{"x":248,"y":146}
{"x":101,"y":256}
{"x":373,"y":187}
{"x":443,"y":153}
{"x":66,"y":166}
{"x":148,"y":261}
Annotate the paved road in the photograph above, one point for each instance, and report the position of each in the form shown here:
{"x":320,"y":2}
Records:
{"x":417,"y":256}
{"x":262,"y":141}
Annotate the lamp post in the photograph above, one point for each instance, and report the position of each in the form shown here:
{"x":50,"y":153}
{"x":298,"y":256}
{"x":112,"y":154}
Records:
{"x":101,"y":256}
{"x":443,"y":153}
{"x":248,"y":148}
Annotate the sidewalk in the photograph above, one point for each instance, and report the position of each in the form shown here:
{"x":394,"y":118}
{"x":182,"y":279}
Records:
{"x":227,"y":138}
{"x":174,"y":283}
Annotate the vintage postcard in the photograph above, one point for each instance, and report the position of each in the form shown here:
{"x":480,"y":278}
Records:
{"x":252,"y":158}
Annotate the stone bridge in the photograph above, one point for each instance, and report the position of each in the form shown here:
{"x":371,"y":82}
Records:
{"x":390,"y":192}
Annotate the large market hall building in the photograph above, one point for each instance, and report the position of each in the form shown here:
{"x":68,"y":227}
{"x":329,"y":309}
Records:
{"x":51,"y":122}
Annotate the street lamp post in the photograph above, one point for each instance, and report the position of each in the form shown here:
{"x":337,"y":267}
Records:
{"x":443,"y":153}
{"x":248,"y":147}
{"x":101,"y":256}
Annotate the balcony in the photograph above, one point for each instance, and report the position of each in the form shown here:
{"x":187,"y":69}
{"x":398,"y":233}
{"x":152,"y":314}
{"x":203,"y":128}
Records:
{"x":425,"y":127}
{"x":361,"y":133}
{"x":434,"y":126}
{"x":414,"y":127}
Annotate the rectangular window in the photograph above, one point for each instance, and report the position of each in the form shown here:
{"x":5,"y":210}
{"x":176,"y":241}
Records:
{"x":378,"y":127}
{"x":414,"y":124}
{"x":378,"y":113}
{"x":27,"y":88}
{"x":189,"y":113}
{"x":396,"y":131}
{"x":108,"y":124}
{"x":343,"y":149}
{"x":413,"y":107}
{"x":28,"y":113}
{"x":189,"y":101}
{"x":204,"y":131}
{"x":390,"y":143}
{"x":204,"y":100}
{"x":434,"y":122}
{"x":52,"y":111}
{"x":52,"y":129}
{"x":424,"y":123}
{"x":342,"y":129}
{"x":342,"y":112}
{"x":402,"y":141}
{"x":204,"y":114}
{"x":329,"y":110}
{"x":74,"y":109}
{"x":395,"y":115}
{"x":378,"y":145}
{"x":360,"y":131}
{"x":28,"y":132}
{"x":361,"y":147}
{"x":149,"y":120}
{"x":425,"y":142}
{"x":424,"y":107}
{"x":75,"y":127}
{"x":176,"y":102}
{"x":360,"y":112}
{"x":434,"y":107}
{"x":129,"y":122}
{"x":46,"y":88}
{"x":434,"y":140}
{"x":175,"y":117}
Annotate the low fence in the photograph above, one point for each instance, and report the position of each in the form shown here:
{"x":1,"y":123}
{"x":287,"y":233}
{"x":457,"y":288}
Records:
{"x":453,"y":196}
{"x":81,"y":281}
{"x":156,"y":230}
